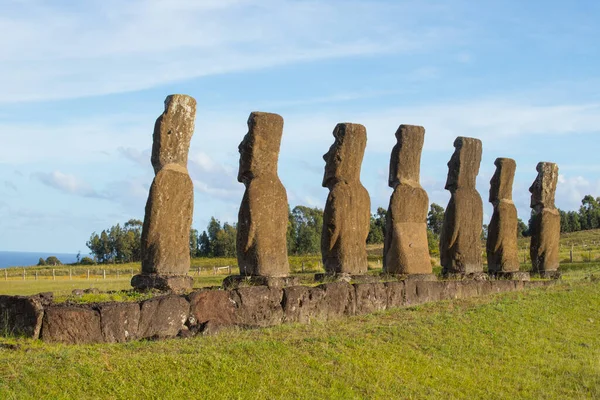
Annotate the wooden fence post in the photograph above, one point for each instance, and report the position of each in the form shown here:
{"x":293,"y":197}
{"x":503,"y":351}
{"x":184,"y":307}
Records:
{"x":23,"y":273}
{"x":53,"y":275}
{"x":36,"y":275}
{"x":88,"y":274}
{"x":103,"y":274}
{"x":70,"y":274}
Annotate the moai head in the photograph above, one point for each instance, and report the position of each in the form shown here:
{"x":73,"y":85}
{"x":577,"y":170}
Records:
{"x":502,"y":181}
{"x":259,"y":150}
{"x":344,"y":158}
{"x":543,"y":188}
{"x":173,"y":132}
{"x":405,"y":162}
{"x":463,"y":166}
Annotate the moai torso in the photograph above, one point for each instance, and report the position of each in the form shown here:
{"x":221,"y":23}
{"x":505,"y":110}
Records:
{"x":168,"y":219}
{"x":347,"y":214}
{"x":405,"y":248}
{"x":263,"y":216}
{"x":501,"y":246}
{"x":545,"y":226}
{"x":460,"y":239}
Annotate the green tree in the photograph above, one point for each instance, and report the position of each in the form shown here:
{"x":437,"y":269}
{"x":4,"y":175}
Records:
{"x":308,"y":224}
{"x":377,"y":227}
{"x":52,"y":260}
{"x":41,"y":261}
{"x":204,"y":245}
{"x":521,"y":228}
{"x":589,"y":213}
{"x":435,"y":218}
{"x":194,"y":250}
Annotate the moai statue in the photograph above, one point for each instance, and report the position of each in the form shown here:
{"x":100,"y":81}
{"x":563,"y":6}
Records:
{"x":460,"y":239}
{"x":501,"y":246}
{"x":545,"y":222}
{"x":405,"y":249}
{"x":347,"y":214}
{"x":166,"y":231}
{"x":263,"y":216}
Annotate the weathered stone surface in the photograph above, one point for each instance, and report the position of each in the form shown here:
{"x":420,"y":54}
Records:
{"x":163,"y":317}
{"x":460,"y":249}
{"x":173,"y":283}
{"x":346,"y":218}
{"x":501,"y":286}
{"x":545,"y":220}
{"x":513,"y":275}
{"x":405,"y":247}
{"x":302,"y":304}
{"x":258,"y":306}
{"x":173,"y":132}
{"x":339,"y":299}
{"x":237,"y":281}
{"x":468,"y":288}
{"x":169,"y":209}
{"x":501,"y":245}
{"x":119,"y":321}
{"x":395,"y":294}
{"x":212,"y":306}
{"x":370,"y":297}
{"x":71,"y":325}
{"x":20,"y":316}
{"x":263,"y":214}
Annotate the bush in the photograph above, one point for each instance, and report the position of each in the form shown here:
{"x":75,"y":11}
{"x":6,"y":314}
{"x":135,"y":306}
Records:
{"x":41,"y":262}
{"x":86,"y":261}
{"x":53,"y":261}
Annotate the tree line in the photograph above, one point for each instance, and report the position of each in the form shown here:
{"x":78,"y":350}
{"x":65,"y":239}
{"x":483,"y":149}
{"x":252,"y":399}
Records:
{"x":122,"y":244}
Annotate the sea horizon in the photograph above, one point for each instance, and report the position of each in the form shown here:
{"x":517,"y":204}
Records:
{"x":30,"y":258}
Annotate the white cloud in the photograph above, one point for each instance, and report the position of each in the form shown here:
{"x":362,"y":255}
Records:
{"x":571,"y":189}
{"x":108,"y":46}
{"x":67,"y":183}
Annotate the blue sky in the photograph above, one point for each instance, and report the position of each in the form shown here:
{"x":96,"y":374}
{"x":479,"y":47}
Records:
{"x":83,"y":82}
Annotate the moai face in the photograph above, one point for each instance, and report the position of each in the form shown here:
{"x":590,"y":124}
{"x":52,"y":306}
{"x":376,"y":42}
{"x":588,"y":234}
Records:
{"x":259,"y":150}
{"x":543,"y":189}
{"x":502,"y":181}
{"x":463,"y":166}
{"x":405,"y":161}
{"x":344,"y":158}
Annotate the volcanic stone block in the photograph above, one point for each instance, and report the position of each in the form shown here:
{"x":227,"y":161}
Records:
{"x":214,"y":306}
{"x":460,"y":249}
{"x":71,"y":325}
{"x":263,"y":216}
{"x":301,"y":304}
{"x":258,"y":306}
{"x":169,"y":209}
{"x":119,"y":321}
{"x":545,"y":221}
{"x":20,"y":316}
{"x":339,"y":300}
{"x":501,"y":245}
{"x":347,"y":214}
{"x":405,"y":248}
{"x":395,"y":294}
{"x":163,"y":317}
{"x":370,"y":297}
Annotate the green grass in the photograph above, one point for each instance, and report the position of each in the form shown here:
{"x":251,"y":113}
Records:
{"x":541,"y":343}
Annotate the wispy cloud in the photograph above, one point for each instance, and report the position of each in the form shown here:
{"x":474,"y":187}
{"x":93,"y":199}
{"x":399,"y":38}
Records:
{"x":108,"y":46}
{"x":67,"y":183}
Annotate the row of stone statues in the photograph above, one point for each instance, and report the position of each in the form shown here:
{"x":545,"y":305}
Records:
{"x":263,"y":214}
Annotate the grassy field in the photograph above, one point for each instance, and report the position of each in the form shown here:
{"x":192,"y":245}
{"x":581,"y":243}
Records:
{"x":541,"y":343}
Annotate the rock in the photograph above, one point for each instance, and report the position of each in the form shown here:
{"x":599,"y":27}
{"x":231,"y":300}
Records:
{"x":263,"y":215}
{"x":175,"y":284}
{"x":119,"y":321}
{"x":258,"y":306}
{"x":347,"y":214}
{"x":162,"y":317}
{"x":21,"y":316}
{"x":71,"y":325}
{"x":501,"y":245}
{"x":545,"y":220}
{"x":370,"y":297}
{"x":168,"y":218}
{"x":395,"y":294}
{"x":301,"y":304}
{"x":78,"y":292}
{"x":406,"y":250}
{"x":91,"y":290}
{"x":237,"y":281}
{"x":460,"y":249}
{"x":45,"y":298}
{"x":214,"y":306}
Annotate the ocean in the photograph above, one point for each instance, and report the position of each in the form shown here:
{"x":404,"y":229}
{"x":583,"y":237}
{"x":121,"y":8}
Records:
{"x":23,"y":259}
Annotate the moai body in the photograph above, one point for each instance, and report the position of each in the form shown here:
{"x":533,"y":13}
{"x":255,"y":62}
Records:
{"x":168,"y":219}
{"x":545,"y":222}
{"x":347,"y":214}
{"x":460,"y":249}
{"x":263,"y":216}
{"x":501,"y":245}
{"x":405,"y":248}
